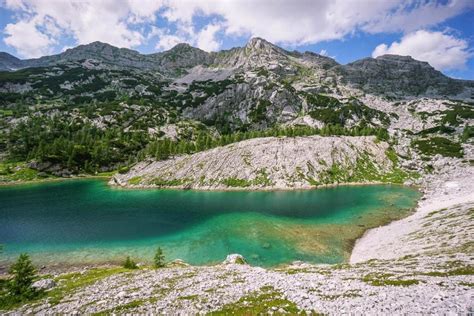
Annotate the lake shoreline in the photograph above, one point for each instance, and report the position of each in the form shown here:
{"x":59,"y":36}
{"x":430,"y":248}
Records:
{"x":77,"y":263}
{"x":256,"y":189}
{"x":50,"y":180}
{"x":109,"y":178}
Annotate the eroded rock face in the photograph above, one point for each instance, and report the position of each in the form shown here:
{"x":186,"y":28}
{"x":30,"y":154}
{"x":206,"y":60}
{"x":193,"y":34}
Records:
{"x":268,"y":163}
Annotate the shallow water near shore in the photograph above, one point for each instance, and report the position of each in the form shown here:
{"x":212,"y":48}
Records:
{"x":87,"y":222}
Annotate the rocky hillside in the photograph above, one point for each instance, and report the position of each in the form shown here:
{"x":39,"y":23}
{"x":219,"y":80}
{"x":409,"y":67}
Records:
{"x":97,"y":108}
{"x":272,"y":163}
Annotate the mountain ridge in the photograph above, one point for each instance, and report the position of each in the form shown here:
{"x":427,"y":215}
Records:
{"x":255,"y":44}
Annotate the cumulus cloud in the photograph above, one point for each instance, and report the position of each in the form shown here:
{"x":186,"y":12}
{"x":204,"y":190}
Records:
{"x":42,"y":23}
{"x":165,"y":39}
{"x":308,"y":21}
{"x":27,"y":39}
{"x":206,"y":38}
{"x":443,"y":51}
{"x":127,"y":23}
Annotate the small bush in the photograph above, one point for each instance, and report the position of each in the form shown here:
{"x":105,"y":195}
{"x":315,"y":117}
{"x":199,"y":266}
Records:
{"x":236,"y":182}
{"x":129,"y":263}
{"x":18,"y":290}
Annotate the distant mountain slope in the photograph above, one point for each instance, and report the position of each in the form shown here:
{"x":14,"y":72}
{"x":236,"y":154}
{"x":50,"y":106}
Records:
{"x":399,"y":75}
{"x":389,"y":74}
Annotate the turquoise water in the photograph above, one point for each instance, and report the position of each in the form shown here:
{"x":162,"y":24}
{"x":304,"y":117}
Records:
{"x":85,"y":221}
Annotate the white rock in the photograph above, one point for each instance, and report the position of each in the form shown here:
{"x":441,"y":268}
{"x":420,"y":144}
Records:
{"x":44,"y":284}
{"x":234,"y":259}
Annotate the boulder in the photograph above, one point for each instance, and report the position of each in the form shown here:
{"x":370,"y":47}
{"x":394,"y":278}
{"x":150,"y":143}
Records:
{"x":177,"y":263}
{"x":234,"y":259}
{"x":44,"y":284}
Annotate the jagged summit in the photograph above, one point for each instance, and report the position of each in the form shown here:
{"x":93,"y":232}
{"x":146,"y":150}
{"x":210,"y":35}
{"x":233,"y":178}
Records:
{"x":259,"y":45}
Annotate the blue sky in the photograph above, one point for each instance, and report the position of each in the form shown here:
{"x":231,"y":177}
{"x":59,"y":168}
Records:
{"x":440,"y":32}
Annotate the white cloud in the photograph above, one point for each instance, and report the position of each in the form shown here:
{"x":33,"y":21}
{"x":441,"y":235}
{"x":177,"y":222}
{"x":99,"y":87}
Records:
{"x":126,"y":23}
{"x":206,"y":38}
{"x":411,"y":16}
{"x":43,"y":22}
{"x":308,"y":21}
{"x":165,"y":40}
{"x":27,"y":39}
{"x":443,"y":51}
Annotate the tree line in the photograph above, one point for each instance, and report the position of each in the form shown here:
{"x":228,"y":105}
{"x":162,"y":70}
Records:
{"x":164,"y":148}
{"x":83,"y":147}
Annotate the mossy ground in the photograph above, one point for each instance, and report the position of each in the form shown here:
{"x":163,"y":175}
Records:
{"x":67,"y":284}
{"x":438,"y":145}
{"x":259,"y":303}
{"x":380,"y":279}
{"x":19,"y":172}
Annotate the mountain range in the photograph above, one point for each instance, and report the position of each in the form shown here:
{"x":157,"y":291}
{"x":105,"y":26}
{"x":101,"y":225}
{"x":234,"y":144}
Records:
{"x":368,"y":73}
{"x":185,"y":93}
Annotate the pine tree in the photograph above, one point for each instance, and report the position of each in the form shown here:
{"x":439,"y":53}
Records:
{"x":159,"y":258}
{"x":23,"y":273}
{"x":129,"y":263}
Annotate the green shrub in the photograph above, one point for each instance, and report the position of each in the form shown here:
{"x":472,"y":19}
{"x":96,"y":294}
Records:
{"x":438,"y":145}
{"x":129,"y":263}
{"x":236,"y":182}
{"x":135,"y":180}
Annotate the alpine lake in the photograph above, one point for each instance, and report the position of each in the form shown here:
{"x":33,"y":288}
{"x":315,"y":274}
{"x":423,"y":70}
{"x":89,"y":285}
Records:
{"x":85,"y":221}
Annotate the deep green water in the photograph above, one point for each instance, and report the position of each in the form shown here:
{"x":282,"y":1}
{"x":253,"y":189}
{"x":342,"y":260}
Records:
{"x":85,"y":221}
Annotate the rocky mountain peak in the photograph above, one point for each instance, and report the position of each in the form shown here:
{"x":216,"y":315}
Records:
{"x":259,"y":45}
{"x":98,"y":48}
{"x":182,"y":47}
{"x":256,"y":53}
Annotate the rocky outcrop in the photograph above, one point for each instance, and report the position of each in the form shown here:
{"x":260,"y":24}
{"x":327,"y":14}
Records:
{"x":398,"y":76}
{"x":269,"y":163}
